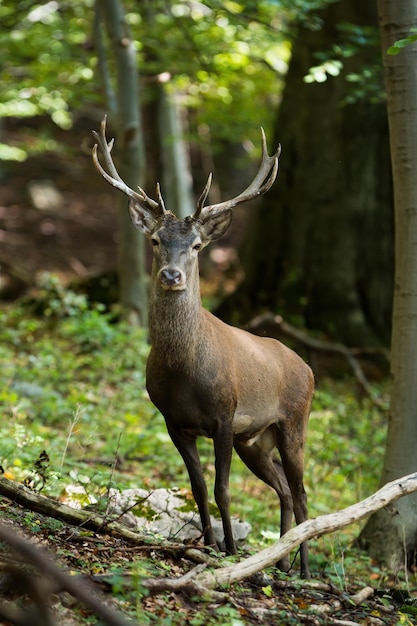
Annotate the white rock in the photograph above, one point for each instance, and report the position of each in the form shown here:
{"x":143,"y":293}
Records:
{"x":165,"y":515}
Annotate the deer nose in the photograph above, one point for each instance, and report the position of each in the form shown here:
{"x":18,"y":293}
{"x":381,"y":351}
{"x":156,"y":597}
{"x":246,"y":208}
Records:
{"x":170,"y":277}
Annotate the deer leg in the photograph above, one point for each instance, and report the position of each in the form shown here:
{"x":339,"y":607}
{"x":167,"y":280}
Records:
{"x":269,"y":469}
{"x":291,"y":448}
{"x":223,"y":449}
{"x":187,"y":448}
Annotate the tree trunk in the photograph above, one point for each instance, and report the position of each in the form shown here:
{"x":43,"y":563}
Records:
{"x":131,"y":250}
{"x":176,"y":163}
{"x":320,"y":250}
{"x":393,"y":540}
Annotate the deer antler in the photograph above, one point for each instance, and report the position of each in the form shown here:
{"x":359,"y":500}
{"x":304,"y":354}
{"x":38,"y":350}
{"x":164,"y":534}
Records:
{"x":157,"y":208}
{"x":263,"y":181}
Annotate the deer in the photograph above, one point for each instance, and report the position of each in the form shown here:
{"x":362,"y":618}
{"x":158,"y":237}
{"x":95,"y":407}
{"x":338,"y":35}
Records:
{"x":210,"y":379}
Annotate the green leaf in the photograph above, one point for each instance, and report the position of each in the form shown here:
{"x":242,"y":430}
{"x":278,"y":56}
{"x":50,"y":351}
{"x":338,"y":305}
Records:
{"x":401,"y":43}
{"x":267,"y":591}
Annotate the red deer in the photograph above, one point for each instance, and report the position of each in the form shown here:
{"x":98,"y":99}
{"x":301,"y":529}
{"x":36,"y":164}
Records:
{"x":213,"y":380}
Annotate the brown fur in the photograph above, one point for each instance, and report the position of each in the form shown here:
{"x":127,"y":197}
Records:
{"x":210,"y":379}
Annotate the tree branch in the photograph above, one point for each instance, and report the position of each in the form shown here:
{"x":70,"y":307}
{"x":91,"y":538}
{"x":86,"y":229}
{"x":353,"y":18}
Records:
{"x":95,"y":522}
{"x":208,"y":580}
{"x":86,"y":519}
{"x":322,"y":525}
{"x":317,"y":344}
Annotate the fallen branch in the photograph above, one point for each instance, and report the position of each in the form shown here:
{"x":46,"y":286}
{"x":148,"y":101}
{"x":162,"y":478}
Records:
{"x":320,"y":345}
{"x":80,"y":589}
{"x":204,"y":581}
{"x":330,"y":606}
{"x":322,"y":525}
{"x":89,"y":520}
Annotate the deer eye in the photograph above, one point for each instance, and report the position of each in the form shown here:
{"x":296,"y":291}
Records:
{"x":155,"y":242}
{"x":197,"y":246}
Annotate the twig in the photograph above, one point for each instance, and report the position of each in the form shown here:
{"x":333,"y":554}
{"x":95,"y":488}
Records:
{"x":88,"y":520}
{"x":320,"y":345}
{"x":330,"y":606}
{"x":344,"y":622}
{"x":113,"y":469}
{"x":362,"y":595}
{"x":72,"y":425}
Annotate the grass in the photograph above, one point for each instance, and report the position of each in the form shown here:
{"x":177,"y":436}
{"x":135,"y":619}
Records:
{"x":74,"y":386}
{"x":72,"y":399}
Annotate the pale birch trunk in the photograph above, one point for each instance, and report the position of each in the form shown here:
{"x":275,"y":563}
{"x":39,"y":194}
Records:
{"x":178,"y":183}
{"x":393,"y":540}
{"x":130,"y":161}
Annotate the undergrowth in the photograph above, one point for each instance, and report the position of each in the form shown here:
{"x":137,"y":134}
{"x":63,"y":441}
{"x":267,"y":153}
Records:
{"x":73,"y":402}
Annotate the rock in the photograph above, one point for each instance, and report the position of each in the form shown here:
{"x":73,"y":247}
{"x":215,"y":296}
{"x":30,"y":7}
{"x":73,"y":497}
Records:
{"x":164,"y":512}
{"x":44,"y":196}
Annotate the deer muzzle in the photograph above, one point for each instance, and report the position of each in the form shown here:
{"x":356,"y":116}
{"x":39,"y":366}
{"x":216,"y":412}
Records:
{"x":172,"y":279}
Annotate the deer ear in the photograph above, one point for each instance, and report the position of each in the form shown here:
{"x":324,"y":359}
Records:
{"x":216,"y":225}
{"x":142,"y":218}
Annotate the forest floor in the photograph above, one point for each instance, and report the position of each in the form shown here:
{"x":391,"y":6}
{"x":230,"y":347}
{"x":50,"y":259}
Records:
{"x":75,"y":237}
{"x":104,"y":561}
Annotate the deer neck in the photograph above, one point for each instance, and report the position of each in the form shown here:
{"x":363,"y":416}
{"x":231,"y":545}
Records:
{"x":175,"y":323}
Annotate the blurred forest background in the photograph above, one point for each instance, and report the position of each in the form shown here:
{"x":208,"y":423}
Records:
{"x":185,"y":95}
{"x":186,"y":86}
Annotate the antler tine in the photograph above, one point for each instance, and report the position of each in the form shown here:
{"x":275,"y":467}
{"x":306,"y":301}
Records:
{"x":203,"y":197}
{"x":112,"y":176}
{"x":262,"y":182}
{"x":106,"y":148}
{"x":160,"y":198}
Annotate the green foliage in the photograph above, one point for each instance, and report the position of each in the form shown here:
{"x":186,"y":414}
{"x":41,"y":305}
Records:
{"x":64,"y":385}
{"x":73,"y":399}
{"x":402,"y":43}
{"x":352,"y":40}
{"x":229,"y":616}
{"x":72,"y":384}
{"x":342,"y":431}
{"x":223,"y":57}
{"x":48,"y":68}
{"x":225,"y":60}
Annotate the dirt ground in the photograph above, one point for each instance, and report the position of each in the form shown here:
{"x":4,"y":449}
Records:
{"x":68,"y":227}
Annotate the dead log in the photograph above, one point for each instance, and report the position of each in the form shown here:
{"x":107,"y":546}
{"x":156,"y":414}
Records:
{"x":313,"y":528}
{"x":90,"y":520}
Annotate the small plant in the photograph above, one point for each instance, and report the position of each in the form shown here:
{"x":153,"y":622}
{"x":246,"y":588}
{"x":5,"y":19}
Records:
{"x":56,"y":302}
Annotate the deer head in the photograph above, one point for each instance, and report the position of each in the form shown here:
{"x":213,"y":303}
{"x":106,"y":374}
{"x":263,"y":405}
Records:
{"x":170,"y":236}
